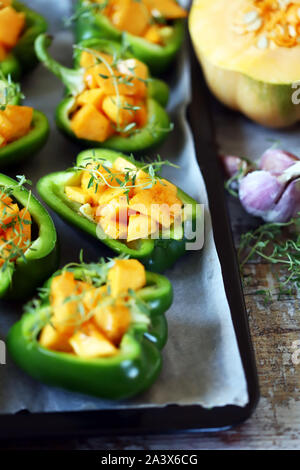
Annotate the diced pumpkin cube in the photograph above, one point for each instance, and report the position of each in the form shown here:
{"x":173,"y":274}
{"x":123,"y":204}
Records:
{"x":89,"y":342}
{"x":146,"y":203}
{"x":114,"y":321}
{"x":119,"y":109}
{"x":77,"y":194}
{"x":2,"y":141}
{"x":93,"y":181}
{"x":51,"y":338}
{"x":11,"y":25}
{"x":88,"y":59}
{"x":94,"y":97}
{"x":105,"y":78}
{"x":5,"y":198}
{"x":92,"y":296}
{"x":88,"y":211}
{"x":120,"y":164}
{"x":141,"y":114}
{"x":90,"y":79}
{"x":158,"y":202}
{"x":20,"y":117}
{"x":3,"y":52}
{"x":64,"y":302}
{"x":130,"y":16}
{"x":168,"y":9}
{"x":117,"y":209}
{"x":89,"y":123}
{"x":153,"y":34}
{"x":113,"y":229}
{"x":8,"y":213}
{"x":124,"y":275}
{"x":6,"y":127}
{"x":137,"y":69}
{"x":5,"y":3}
{"x":109,"y":194}
{"x":140,"y":226}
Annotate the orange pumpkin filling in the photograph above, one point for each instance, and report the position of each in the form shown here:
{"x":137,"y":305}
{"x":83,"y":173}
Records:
{"x":115,"y":99}
{"x":125,"y":201}
{"x":15,"y":122}
{"x":91,"y":321}
{"x":12,"y":24}
{"x":15,"y":229}
{"x":145,"y":18}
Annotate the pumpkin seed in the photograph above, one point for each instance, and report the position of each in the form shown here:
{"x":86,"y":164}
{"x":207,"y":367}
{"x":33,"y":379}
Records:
{"x":255,"y":25}
{"x":250,"y":16}
{"x":262,"y":42}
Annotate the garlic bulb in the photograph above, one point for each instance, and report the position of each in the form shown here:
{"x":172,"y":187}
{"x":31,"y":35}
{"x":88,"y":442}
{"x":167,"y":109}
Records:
{"x":272,"y":191}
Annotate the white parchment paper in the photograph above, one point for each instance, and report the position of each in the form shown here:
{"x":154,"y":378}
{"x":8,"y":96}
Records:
{"x":201,"y":360}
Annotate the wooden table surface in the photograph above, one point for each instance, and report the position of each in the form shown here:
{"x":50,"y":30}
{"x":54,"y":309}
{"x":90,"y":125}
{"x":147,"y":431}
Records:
{"x":276,"y":422}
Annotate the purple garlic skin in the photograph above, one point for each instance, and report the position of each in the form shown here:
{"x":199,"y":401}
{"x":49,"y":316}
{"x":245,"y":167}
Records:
{"x":258,"y":192}
{"x":288,"y":205}
{"x":272,"y":191}
{"x":232,"y":165}
{"x":276,"y":161}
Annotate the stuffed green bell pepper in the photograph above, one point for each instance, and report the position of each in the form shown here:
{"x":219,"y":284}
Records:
{"x":126,"y":205}
{"x":152,"y":29}
{"x":19,"y":27}
{"x":28,"y":253}
{"x":23,"y":130}
{"x":96,"y":328}
{"x":111,"y":101}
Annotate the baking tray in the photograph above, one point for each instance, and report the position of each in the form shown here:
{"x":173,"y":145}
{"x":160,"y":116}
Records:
{"x":172,"y":418}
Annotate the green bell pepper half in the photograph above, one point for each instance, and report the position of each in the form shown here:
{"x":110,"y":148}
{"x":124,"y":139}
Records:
{"x":148,"y":137}
{"x":156,"y":254}
{"x":28,"y":145}
{"x":22,"y":58}
{"x":130,"y":372}
{"x":90,"y":24}
{"x":19,"y":279}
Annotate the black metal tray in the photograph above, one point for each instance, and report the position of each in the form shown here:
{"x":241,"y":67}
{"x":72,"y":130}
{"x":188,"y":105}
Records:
{"x":170,"y":418}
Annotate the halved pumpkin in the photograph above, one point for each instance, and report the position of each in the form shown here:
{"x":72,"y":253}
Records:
{"x":250,"y":54}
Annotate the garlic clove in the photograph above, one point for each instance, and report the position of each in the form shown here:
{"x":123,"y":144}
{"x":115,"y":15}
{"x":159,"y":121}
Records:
{"x":232,"y":165}
{"x":276,"y":161}
{"x":290,"y":173}
{"x":288,"y":205}
{"x":259,"y":192}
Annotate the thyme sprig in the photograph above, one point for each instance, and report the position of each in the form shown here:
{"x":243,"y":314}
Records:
{"x":278,"y":244}
{"x":125,"y":179}
{"x":84,"y":11}
{"x":118,"y":79}
{"x":16,"y":246}
{"x":8,"y":91}
{"x":94,"y":274}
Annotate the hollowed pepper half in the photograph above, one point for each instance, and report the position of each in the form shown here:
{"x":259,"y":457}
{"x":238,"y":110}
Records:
{"x":105,"y":343}
{"x":22,"y":58}
{"x":23,"y":130}
{"x":19,"y":277}
{"x":92,"y":21}
{"x":99,"y":109}
{"x":156,"y":253}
